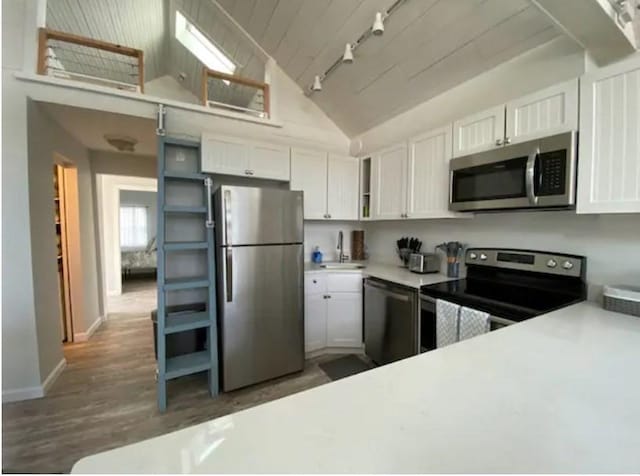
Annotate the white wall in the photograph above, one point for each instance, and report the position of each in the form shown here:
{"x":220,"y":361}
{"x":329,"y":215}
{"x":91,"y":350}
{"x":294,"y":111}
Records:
{"x":145,"y":199}
{"x":325,"y":235}
{"x":610,"y":242}
{"x":168,"y":87}
{"x":117,"y":163}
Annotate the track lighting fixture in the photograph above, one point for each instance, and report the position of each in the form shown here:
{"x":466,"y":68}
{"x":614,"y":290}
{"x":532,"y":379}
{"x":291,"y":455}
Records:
{"x":347,"y":57}
{"x":317,"y":84}
{"x":378,"y":25}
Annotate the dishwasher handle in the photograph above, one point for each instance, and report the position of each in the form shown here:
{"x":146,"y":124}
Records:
{"x":387,"y":290}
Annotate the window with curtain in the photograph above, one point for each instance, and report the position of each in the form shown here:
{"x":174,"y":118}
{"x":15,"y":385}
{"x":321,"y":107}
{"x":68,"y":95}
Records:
{"x":134,"y":231}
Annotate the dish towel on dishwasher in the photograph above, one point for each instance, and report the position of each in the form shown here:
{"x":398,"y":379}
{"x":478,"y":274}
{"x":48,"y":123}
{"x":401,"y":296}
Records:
{"x":473,"y":323}
{"x":446,"y":323}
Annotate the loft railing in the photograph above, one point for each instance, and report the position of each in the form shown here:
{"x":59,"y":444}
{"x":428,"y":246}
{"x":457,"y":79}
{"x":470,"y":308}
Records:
{"x":69,"y":56}
{"x":236,"y":93}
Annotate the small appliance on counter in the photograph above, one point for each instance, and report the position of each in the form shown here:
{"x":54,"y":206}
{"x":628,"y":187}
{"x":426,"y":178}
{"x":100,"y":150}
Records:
{"x":406,"y":246}
{"x":423,"y":263}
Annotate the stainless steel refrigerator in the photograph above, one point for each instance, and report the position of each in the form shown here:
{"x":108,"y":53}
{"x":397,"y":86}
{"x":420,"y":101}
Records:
{"x":260,"y":287}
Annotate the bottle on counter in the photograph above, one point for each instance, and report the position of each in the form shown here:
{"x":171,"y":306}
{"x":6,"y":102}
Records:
{"x":316,"y":256}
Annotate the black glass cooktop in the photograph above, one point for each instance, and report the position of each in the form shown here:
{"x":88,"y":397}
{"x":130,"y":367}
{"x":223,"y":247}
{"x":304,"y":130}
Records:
{"x":505,"y":299}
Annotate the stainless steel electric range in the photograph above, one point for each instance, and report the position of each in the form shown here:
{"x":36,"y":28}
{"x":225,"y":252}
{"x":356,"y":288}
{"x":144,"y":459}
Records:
{"x":511,"y":285}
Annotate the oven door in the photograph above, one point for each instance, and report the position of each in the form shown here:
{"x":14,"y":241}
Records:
{"x":533,"y":174}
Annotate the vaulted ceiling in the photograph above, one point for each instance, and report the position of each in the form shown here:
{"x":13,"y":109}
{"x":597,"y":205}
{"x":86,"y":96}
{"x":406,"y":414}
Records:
{"x":428,"y":46}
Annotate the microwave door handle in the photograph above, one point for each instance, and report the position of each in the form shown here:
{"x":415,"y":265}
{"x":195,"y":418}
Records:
{"x":530,"y":175}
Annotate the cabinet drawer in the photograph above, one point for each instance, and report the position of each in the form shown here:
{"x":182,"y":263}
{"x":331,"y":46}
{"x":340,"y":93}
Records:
{"x":315,"y":283}
{"x":344,"y":283}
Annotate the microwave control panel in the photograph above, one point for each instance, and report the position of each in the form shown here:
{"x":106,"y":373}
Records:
{"x":552,"y":173}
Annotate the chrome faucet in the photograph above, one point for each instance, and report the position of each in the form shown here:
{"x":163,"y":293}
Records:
{"x":340,"y":247}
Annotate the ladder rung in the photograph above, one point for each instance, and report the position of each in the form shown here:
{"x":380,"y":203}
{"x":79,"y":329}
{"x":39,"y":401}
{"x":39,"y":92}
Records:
{"x":186,"y":321}
{"x":175,"y":284}
{"x":184,"y":209}
{"x":184,"y":175}
{"x":188,"y":364}
{"x":186,"y":245}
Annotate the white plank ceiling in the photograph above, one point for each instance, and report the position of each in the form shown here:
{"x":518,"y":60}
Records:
{"x":428,"y":46}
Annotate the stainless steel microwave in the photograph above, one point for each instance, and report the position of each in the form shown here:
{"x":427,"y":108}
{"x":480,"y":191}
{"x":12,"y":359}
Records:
{"x":535,"y":174}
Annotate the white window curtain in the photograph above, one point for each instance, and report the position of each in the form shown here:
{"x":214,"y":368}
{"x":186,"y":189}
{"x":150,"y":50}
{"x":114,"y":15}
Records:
{"x":133,"y":227}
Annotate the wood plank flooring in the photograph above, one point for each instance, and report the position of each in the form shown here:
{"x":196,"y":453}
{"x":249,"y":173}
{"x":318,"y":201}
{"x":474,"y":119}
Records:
{"x":106,"y":398}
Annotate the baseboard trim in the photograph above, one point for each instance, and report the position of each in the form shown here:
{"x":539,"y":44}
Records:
{"x":19,"y":394}
{"x":85,"y":336}
{"x":53,"y":376}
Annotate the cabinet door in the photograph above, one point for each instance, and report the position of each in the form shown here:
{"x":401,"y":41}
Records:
{"x":609,"y":165}
{"x":551,"y":111}
{"x":480,"y":132}
{"x":315,"y":322}
{"x":309,"y":174}
{"x":269,"y":161}
{"x":428,"y":175}
{"x":388,"y":183}
{"x":224,"y":155}
{"x":344,"y":320}
{"x":342,"y":187}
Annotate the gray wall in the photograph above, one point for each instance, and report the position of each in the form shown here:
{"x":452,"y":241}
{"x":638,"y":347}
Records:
{"x":146,"y":199}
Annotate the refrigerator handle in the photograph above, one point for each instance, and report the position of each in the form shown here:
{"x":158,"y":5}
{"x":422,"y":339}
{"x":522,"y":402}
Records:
{"x":227,"y":217}
{"x":229,"y":273}
{"x":208,"y":183}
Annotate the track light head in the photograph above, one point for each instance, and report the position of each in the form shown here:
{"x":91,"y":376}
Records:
{"x":378,"y":25}
{"x":347,"y":57}
{"x":317,"y":84}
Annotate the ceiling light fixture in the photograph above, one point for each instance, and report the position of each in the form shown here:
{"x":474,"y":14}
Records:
{"x":121,"y":142}
{"x":317,"y":84}
{"x":347,"y":57}
{"x":378,"y":25}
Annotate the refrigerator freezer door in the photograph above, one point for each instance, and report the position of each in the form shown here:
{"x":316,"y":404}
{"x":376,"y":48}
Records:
{"x":261,"y":295}
{"x":257,"y":216}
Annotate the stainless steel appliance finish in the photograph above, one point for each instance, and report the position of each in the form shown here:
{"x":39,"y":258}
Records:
{"x":423,"y":263}
{"x":391,"y":327}
{"x":525,"y":260}
{"x":535,"y":174}
{"x":259,"y":235}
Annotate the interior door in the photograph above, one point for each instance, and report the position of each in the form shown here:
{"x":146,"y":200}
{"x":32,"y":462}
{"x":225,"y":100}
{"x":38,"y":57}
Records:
{"x":479,"y":132}
{"x":388,"y":184}
{"x":428,"y":174}
{"x":342,"y":179}
{"x":309,"y":175}
{"x":262,"y":316}
{"x":269,"y":161}
{"x":551,"y":111}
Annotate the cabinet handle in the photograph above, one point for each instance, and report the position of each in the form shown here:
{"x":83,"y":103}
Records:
{"x":499,"y":142}
{"x":507,"y":141}
{"x":315,"y":281}
{"x":329,"y":216}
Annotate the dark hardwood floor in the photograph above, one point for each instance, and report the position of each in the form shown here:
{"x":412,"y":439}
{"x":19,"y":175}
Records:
{"x":106,"y":398}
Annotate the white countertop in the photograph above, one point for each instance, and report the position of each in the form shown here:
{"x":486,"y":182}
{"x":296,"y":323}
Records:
{"x":389,"y":272}
{"x":557,"y":393}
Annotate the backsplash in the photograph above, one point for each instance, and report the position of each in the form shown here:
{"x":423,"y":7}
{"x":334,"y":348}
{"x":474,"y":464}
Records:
{"x":611,"y":243}
{"x":325,"y":235}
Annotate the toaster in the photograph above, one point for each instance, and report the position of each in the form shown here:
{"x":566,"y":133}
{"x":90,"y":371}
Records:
{"x":424,"y":263}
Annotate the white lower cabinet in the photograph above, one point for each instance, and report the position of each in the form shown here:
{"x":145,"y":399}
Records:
{"x":333,"y":311}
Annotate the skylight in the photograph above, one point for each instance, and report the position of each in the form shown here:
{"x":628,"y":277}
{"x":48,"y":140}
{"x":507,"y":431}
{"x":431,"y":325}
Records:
{"x":201,"y":47}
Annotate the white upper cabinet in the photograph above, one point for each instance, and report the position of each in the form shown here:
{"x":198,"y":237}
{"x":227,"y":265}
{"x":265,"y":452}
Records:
{"x":428,"y":174}
{"x":309,"y":174}
{"x":551,"y":111}
{"x":224,"y":155}
{"x":329,"y":183}
{"x":236,"y":156}
{"x":388,"y":183}
{"x":342,"y":190}
{"x":609,"y":165}
{"x":479,"y":132}
{"x":269,"y":161}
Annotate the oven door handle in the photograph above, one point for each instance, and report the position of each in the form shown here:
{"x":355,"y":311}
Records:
{"x":530,"y":175}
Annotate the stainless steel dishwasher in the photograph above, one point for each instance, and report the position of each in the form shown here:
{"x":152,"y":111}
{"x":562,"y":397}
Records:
{"x":391,"y":321}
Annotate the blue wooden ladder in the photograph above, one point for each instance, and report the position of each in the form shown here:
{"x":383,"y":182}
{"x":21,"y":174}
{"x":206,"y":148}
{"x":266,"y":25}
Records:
{"x":180,"y":180}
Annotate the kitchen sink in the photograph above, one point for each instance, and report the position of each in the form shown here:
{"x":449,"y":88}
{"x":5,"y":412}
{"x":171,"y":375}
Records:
{"x":342,"y":266}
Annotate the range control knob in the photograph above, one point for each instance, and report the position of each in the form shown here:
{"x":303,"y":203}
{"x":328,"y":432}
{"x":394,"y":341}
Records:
{"x":483,"y":257}
{"x":472,"y":256}
{"x":552,"y":263}
{"x":567,"y":265}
